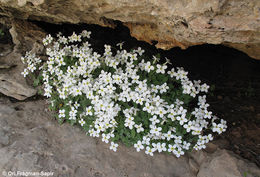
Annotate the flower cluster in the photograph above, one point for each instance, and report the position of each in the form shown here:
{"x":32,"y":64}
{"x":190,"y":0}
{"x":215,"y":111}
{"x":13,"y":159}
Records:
{"x":125,"y":96}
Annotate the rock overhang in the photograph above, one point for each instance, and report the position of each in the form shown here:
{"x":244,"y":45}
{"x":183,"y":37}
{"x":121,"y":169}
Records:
{"x":233,"y":23}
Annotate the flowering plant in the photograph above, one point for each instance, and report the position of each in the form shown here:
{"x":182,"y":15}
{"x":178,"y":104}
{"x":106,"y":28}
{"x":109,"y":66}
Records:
{"x":124,"y":96}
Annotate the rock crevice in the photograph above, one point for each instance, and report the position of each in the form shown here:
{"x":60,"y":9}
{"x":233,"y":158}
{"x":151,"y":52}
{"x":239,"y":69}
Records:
{"x":25,"y":37}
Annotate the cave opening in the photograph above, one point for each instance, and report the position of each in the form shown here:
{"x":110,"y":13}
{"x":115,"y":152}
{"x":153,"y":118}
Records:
{"x":216,"y":65}
{"x":234,"y":76}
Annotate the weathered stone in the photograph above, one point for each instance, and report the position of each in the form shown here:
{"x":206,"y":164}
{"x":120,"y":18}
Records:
{"x":210,"y":147}
{"x":13,"y":87}
{"x":193,"y":165}
{"x":33,"y":141}
{"x":38,"y":143}
{"x":5,"y":66}
{"x":26,"y":37}
{"x":5,"y":49}
{"x":198,"y":156}
{"x":226,"y":164}
{"x":183,"y":23}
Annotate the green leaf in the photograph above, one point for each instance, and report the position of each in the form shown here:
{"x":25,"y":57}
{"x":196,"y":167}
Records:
{"x":40,"y":91}
{"x":36,"y":82}
{"x":133,"y":133}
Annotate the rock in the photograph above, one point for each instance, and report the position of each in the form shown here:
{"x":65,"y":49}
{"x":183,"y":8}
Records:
{"x":225,"y":164}
{"x":221,"y":164}
{"x":194,"y":166}
{"x":12,"y":87}
{"x":5,"y":49}
{"x":210,"y":147}
{"x":227,"y":99}
{"x":5,"y":66}
{"x":248,"y":108}
{"x":219,"y":97}
{"x":198,"y":156}
{"x":26,"y":37}
{"x":236,"y":134}
{"x":233,"y":23}
{"x":38,"y":143}
{"x":34,"y":141}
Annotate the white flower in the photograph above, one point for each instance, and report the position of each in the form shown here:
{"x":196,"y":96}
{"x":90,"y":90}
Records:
{"x":89,"y":111}
{"x":186,"y":145}
{"x":148,"y":67}
{"x":47,"y":40}
{"x":73,"y":113}
{"x":204,"y":88}
{"x":178,"y":140}
{"x":138,"y":146}
{"x":207,"y":114}
{"x":139,"y":128}
{"x":91,"y":132}
{"x":161,"y":111}
{"x":148,"y":108}
{"x":135,"y":78}
{"x":85,"y":33}
{"x":161,"y":68}
{"x":171,"y":148}
{"x":140,"y":51}
{"x":140,"y":100}
{"x":82,"y":122}
{"x":164,"y":88}
{"x":25,"y":72}
{"x":149,"y":151}
{"x":61,"y":113}
{"x":171,"y":72}
{"x":129,"y":124}
{"x":154,"y":120}
{"x":161,"y":147}
{"x":168,"y":135}
{"x":219,"y":128}
{"x":105,"y":138}
{"x":188,"y":126}
{"x":156,"y":130}
{"x":178,"y":152}
{"x":31,"y":67}
{"x":113,"y":146}
{"x":146,"y":140}
{"x":76,"y":91}
{"x":76,"y":105}
{"x":117,"y":79}
{"x":181,"y":119}
{"x":209,"y":138}
{"x":133,"y":56}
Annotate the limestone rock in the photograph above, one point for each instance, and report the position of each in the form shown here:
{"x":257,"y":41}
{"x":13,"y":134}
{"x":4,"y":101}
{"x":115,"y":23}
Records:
{"x":183,"y":23}
{"x":25,"y":37}
{"x":34,"y":141}
{"x":194,"y":165}
{"x":226,"y":164}
{"x":13,"y":87}
{"x":31,"y":140}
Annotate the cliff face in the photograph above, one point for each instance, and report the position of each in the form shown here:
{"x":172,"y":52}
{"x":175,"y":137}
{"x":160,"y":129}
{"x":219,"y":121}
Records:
{"x":183,"y":23}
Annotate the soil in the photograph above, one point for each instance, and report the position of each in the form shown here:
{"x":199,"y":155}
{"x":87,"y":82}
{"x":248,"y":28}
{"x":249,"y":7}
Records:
{"x":234,"y":76}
